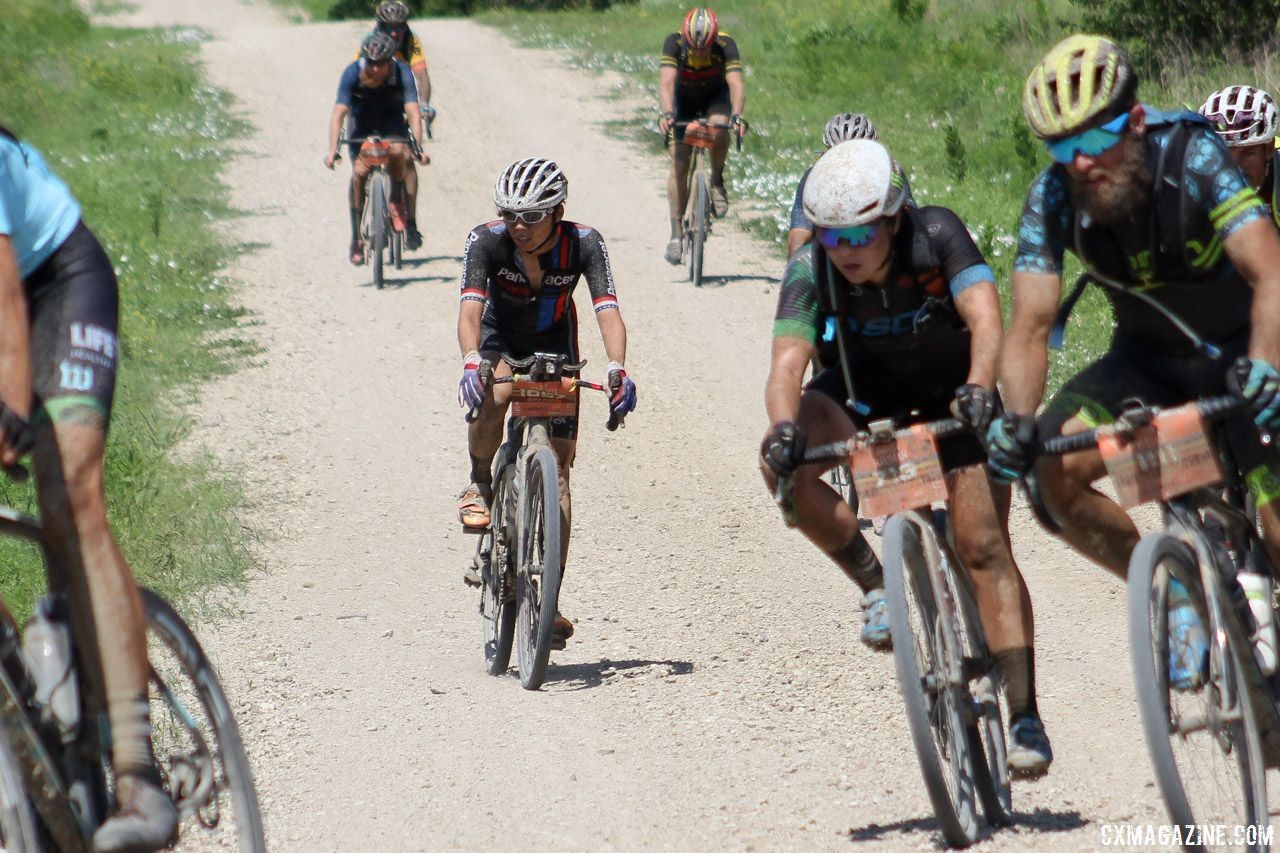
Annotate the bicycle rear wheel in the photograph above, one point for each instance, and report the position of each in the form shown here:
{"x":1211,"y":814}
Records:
{"x":397,"y":249}
{"x":497,"y":595}
{"x":19,"y":830}
{"x":198,"y":749}
{"x":698,"y":222}
{"x":1203,"y":739}
{"x":377,"y":223}
{"x":925,"y":644}
{"x":538,"y":566}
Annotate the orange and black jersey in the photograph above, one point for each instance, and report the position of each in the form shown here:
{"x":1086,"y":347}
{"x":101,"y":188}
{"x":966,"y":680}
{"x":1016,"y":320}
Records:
{"x":695,"y":79}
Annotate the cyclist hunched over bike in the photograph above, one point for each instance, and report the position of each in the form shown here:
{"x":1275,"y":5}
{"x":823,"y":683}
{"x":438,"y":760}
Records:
{"x":921,"y":325}
{"x":840,"y":128}
{"x":1159,"y":215}
{"x":700,"y":75}
{"x":1245,"y":117}
{"x":58,"y":360}
{"x":379,"y":94}
{"x":519,"y":273}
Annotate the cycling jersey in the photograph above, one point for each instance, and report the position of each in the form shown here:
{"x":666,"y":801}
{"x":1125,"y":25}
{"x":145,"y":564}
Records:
{"x":907,"y":342}
{"x":1203,"y":288}
{"x":700,"y":79}
{"x":408,"y":50}
{"x":378,"y":110}
{"x":37,"y":210}
{"x":799,"y":220}
{"x":1271,"y":188}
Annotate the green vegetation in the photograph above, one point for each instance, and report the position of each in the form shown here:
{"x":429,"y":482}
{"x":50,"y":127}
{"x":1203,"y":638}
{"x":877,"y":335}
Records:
{"x":122,"y":116}
{"x":941,"y":81}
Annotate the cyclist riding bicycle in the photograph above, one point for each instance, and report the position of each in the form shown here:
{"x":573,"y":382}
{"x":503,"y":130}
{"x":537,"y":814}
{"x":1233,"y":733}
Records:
{"x":58,"y":359}
{"x":392,"y":18}
{"x":379,"y":94}
{"x":1159,"y":215}
{"x":700,"y":75}
{"x":519,"y":273}
{"x":916,"y":306}
{"x":840,"y":128}
{"x":1246,"y":119}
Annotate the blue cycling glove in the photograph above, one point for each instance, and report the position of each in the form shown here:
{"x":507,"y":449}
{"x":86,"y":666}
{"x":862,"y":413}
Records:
{"x":1258,"y":382}
{"x":622,"y":390}
{"x":1011,"y":447}
{"x":470,"y":387}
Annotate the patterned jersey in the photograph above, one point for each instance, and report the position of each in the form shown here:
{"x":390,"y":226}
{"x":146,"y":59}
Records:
{"x":492,"y":273}
{"x":697,"y":78}
{"x":408,"y":50}
{"x":908,"y":329}
{"x":1216,"y":201}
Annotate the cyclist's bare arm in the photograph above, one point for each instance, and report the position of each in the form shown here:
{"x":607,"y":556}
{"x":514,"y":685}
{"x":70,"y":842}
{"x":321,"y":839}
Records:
{"x":1024,"y":356}
{"x":666,"y":93}
{"x":796,"y":239}
{"x":413,"y":116}
{"x":737,"y":92}
{"x":979,"y":307}
{"x":15,"y":343}
{"x":614,"y":334}
{"x":335,"y":131}
{"x":423,"y":79}
{"x":790,"y":359}
{"x":469,"y":314}
{"x":1254,"y":248}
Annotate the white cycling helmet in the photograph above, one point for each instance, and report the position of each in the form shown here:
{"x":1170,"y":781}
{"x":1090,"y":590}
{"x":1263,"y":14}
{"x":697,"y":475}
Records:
{"x":846,"y":126}
{"x":1242,"y":115}
{"x":854,"y":183}
{"x":534,"y":183}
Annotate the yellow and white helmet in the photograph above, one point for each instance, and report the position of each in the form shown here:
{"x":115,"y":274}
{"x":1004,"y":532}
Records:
{"x":1085,"y":81}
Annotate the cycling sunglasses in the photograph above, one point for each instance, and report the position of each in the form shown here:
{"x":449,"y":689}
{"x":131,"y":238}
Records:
{"x":1090,"y":143}
{"x":528,"y":217}
{"x":855,"y":235}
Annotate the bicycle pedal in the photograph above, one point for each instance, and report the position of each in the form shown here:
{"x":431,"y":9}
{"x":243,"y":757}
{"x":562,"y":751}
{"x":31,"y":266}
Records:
{"x":467,"y":528}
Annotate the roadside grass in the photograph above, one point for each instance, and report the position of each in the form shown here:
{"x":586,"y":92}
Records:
{"x":943,"y":91}
{"x":123,"y":117}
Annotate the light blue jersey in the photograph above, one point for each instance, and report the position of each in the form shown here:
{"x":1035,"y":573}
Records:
{"x":37,"y":211}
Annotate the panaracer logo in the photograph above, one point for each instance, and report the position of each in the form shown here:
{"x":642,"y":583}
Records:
{"x":558,"y":280}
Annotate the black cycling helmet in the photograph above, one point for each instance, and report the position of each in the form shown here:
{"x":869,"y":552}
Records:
{"x":378,"y":47}
{"x":393,"y":13}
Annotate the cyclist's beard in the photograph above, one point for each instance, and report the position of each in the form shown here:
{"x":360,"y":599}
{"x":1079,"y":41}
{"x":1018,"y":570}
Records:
{"x":1126,"y":192}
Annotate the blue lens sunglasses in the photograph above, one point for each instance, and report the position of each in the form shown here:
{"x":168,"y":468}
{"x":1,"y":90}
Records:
{"x":1090,"y":143}
{"x":856,"y":235}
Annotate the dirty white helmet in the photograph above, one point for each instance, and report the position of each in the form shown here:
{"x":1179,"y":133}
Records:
{"x":534,"y":183}
{"x":854,"y":183}
{"x":1242,"y":115}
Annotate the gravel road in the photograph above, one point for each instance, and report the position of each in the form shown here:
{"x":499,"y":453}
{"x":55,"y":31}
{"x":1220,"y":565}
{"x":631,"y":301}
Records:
{"x":715,"y":694}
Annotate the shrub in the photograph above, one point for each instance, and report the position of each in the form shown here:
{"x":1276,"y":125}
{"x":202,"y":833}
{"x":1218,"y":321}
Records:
{"x":1160,"y":30}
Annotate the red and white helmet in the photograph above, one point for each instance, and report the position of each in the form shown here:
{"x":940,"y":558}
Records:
{"x":1242,"y":115}
{"x":700,"y":27}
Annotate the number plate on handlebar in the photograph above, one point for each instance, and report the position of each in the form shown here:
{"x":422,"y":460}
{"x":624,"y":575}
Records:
{"x":555,"y":399}
{"x":899,"y":474}
{"x":1168,"y":458}
{"x":699,"y":135}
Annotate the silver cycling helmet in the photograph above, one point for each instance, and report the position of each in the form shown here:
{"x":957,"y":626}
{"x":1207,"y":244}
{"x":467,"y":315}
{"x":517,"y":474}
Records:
{"x":846,"y":126}
{"x":393,"y":13}
{"x":1242,"y":115}
{"x":378,"y":47}
{"x":855,"y":183}
{"x":534,"y":183}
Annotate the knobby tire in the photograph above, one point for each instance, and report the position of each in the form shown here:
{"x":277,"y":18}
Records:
{"x":698,"y":225}
{"x":498,"y":604}
{"x":379,"y":214}
{"x":538,"y":578}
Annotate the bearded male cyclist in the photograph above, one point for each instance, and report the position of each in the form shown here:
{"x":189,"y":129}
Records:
{"x":518,"y":277}
{"x":58,"y":355}
{"x":1155,"y":209}
{"x":379,"y":94}
{"x":918,"y":318}
{"x":700,"y":75}
{"x":1245,"y":117}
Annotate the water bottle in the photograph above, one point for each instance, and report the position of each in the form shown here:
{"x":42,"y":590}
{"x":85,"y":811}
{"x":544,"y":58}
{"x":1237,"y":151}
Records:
{"x":1257,"y":588}
{"x":46,"y":644}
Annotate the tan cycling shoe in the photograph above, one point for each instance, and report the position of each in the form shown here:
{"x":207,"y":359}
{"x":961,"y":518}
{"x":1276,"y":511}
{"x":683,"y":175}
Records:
{"x":473,"y":506}
{"x":675,"y":251}
{"x":719,"y":200}
{"x":145,"y":820}
{"x":561,"y":630}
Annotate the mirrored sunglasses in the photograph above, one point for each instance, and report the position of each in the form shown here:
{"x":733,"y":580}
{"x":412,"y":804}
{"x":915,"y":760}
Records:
{"x":1090,"y":143}
{"x":854,"y":235}
{"x":528,"y":217}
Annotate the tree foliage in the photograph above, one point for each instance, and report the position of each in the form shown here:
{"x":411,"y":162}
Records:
{"x":1160,"y":30}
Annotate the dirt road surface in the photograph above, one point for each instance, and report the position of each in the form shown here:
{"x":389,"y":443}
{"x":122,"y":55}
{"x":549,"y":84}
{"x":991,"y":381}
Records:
{"x":715,"y":694}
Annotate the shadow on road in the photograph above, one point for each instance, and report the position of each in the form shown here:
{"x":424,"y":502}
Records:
{"x":580,"y":676}
{"x":1040,"y":820}
{"x":724,"y":280}
{"x":401,"y":282}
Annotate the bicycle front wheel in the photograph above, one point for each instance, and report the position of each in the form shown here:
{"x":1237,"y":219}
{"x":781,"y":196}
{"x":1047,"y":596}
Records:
{"x":538,"y":566}
{"x":497,"y":596}
{"x":1202,"y":733}
{"x":698,"y":221}
{"x":198,"y":749}
{"x":19,"y":830}
{"x":377,"y":223}
{"x":926,"y":642}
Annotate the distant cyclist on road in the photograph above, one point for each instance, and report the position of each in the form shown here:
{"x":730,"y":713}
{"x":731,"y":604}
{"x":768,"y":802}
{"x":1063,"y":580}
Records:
{"x":700,"y":75}
{"x":917,"y":307}
{"x":58,"y":359}
{"x":1245,"y":117}
{"x":392,"y":18}
{"x":519,"y":273}
{"x":379,"y":94}
{"x":840,"y":128}
{"x":1156,"y":211}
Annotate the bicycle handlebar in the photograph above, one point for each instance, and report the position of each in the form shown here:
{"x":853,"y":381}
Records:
{"x":412,"y":140}
{"x":487,"y":380}
{"x":838,"y":449}
{"x":669,"y":136}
